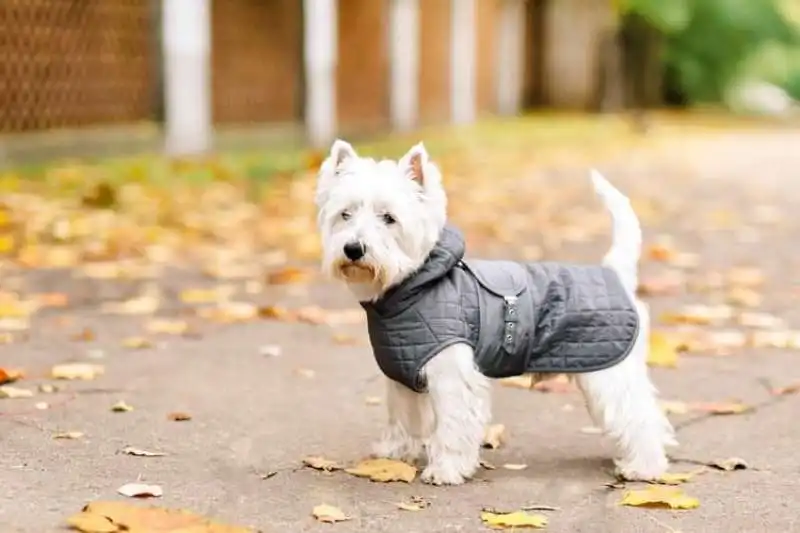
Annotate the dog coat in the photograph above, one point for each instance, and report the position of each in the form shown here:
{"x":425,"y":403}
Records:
{"x":517,"y":317}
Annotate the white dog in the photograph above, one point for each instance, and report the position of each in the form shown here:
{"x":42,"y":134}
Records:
{"x":440,"y":326}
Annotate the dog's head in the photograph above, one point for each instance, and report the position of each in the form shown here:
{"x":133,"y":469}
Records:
{"x":379,"y":220}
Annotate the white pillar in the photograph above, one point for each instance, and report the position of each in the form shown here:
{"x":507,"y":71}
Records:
{"x":186,"y":32}
{"x":320,"y":57}
{"x":463,"y":58}
{"x":404,"y":47}
{"x":510,"y":57}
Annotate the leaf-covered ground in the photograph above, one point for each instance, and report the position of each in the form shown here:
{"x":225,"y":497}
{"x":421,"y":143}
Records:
{"x":164,"y":334}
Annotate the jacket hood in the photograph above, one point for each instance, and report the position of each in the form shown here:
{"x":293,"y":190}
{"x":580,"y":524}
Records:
{"x":446,"y":254}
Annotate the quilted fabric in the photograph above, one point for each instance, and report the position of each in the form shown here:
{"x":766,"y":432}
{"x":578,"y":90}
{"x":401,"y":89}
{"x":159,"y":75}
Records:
{"x":518,"y":318}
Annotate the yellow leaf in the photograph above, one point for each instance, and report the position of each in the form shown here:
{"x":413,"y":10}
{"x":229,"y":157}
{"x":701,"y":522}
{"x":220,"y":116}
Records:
{"x":721,"y":408}
{"x":7,"y":391}
{"x":746,"y":277}
{"x":68,"y":435}
{"x":732,"y":463}
{"x":168,"y":327}
{"x":659,"y":496}
{"x":92,"y":523}
{"x":6,"y":243}
{"x":384,"y":470}
{"x":674,"y":407}
{"x":84,"y":371}
{"x":329,"y":513}
{"x":698,"y":315}
{"x":494,"y":436}
{"x":320,"y":463}
{"x":517,"y":519}
{"x":198,"y":296}
{"x":121,"y":407}
{"x":676,"y":478}
{"x":136,"y":343}
{"x":663,"y":350}
{"x":289,"y":275}
{"x":416,"y":504}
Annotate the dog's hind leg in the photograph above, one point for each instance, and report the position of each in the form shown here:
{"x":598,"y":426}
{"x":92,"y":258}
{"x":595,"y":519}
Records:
{"x":461,"y":400}
{"x":625,"y":401}
{"x":410,"y":423}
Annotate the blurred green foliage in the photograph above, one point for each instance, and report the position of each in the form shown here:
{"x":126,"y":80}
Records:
{"x":713,"y":44}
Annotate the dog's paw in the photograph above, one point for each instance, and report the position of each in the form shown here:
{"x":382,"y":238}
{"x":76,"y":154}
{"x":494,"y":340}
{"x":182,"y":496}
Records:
{"x":641,"y":471}
{"x":439,"y":474}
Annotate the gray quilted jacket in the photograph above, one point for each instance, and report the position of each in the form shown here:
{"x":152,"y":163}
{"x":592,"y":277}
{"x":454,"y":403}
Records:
{"x":518,"y":318}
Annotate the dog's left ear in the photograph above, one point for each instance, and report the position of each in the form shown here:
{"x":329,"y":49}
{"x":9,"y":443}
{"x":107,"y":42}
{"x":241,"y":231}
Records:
{"x":341,"y":151}
{"x":414,"y":162}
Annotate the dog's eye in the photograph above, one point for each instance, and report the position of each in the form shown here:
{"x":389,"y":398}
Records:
{"x":388,"y":219}
{"x":345,"y":215}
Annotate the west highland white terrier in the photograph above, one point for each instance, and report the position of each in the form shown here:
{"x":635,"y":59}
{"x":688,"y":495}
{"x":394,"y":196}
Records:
{"x":441,"y":325}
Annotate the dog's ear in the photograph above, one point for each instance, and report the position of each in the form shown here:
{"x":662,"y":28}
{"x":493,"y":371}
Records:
{"x":414,"y":162}
{"x":341,"y":151}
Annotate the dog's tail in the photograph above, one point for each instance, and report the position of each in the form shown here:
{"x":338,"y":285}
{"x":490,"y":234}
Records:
{"x":626,"y":246}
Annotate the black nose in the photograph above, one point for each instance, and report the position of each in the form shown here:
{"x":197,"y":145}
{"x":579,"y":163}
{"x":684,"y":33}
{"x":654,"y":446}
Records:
{"x":354,"y":250}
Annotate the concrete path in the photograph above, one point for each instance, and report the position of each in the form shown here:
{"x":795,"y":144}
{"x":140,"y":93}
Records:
{"x":254,"y":413}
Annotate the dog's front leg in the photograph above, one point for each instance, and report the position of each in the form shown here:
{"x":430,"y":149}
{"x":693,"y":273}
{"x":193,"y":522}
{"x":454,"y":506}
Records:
{"x":410,"y":420}
{"x":461,"y":401}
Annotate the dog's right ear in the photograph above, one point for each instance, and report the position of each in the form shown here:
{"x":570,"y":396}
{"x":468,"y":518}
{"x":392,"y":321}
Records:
{"x":341,"y":151}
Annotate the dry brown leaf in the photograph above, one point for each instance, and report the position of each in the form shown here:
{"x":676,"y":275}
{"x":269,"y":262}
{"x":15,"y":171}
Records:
{"x":140,"y":490}
{"x":384,"y":470}
{"x":83,"y":371}
{"x":84,"y":335}
{"x":135,"y":518}
{"x":663,"y":350}
{"x":11,"y":393}
{"x":329,"y":514}
{"x":720,"y":408}
{"x":560,"y":384}
{"x":730,"y":464}
{"x":121,"y":407}
{"x":515,"y":520}
{"x":167,"y":327}
{"x":10,"y":375}
{"x":659,"y":496}
{"x":494,"y":436}
{"x":788,"y":389}
{"x":417,"y":503}
{"x":320,"y":463}
{"x":138,"y":452}
{"x":68,"y":435}
{"x":289,"y":275}
{"x":136,"y":343}
{"x":179,"y":417}
{"x":663,"y":251}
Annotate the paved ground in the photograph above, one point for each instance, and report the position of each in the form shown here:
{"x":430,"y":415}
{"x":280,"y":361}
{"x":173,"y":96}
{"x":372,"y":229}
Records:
{"x":254,"y":414}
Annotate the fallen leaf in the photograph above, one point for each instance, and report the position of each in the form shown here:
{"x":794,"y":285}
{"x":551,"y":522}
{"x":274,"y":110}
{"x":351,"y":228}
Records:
{"x":373,"y":400}
{"x":663,"y":350}
{"x":416,"y":503}
{"x":720,"y":408}
{"x":10,"y":375}
{"x":320,"y":463}
{"x":6,"y":338}
{"x":730,"y":464}
{"x":665,"y":284}
{"x":52,"y":299}
{"x":123,"y":516}
{"x":289,"y":275}
{"x":167,"y":327}
{"x":68,"y":435}
{"x":84,"y":371}
{"x":513,"y":466}
{"x":49,"y":388}
{"x":84,"y":335}
{"x":746,"y":277}
{"x":138,"y":452}
{"x":179,"y":417}
{"x":345,"y":339}
{"x":524,"y":381}
{"x":743,"y":297}
{"x":305,"y":373}
{"x":674,"y":407}
{"x":676,"y":478}
{"x":136,"y":343}
{"x":663,"y":251}
{"x":141,"y":305}
{"x":140,"y":490}
{"x":752,"y":319}
{"x":329,"y":514}
{"x":659,"y":496}
{"x":517,"y":519}
{"x":775,"y":339}
{"x":493,"y":436}
{"x":698,"y":315}
{"x":270,"y":350}
{"x":384,"y":470}
{"x":41,"y":406}
{"x":788,"y":389}
{"x":559,"y":384}
{"x":11,"y":393}
{"x":200,"y":296}
{"x":121,"y":407}
{"x":487,"y":465}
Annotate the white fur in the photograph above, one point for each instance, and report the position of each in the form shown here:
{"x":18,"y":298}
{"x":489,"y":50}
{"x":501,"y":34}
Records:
{"x":448,"y":422}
